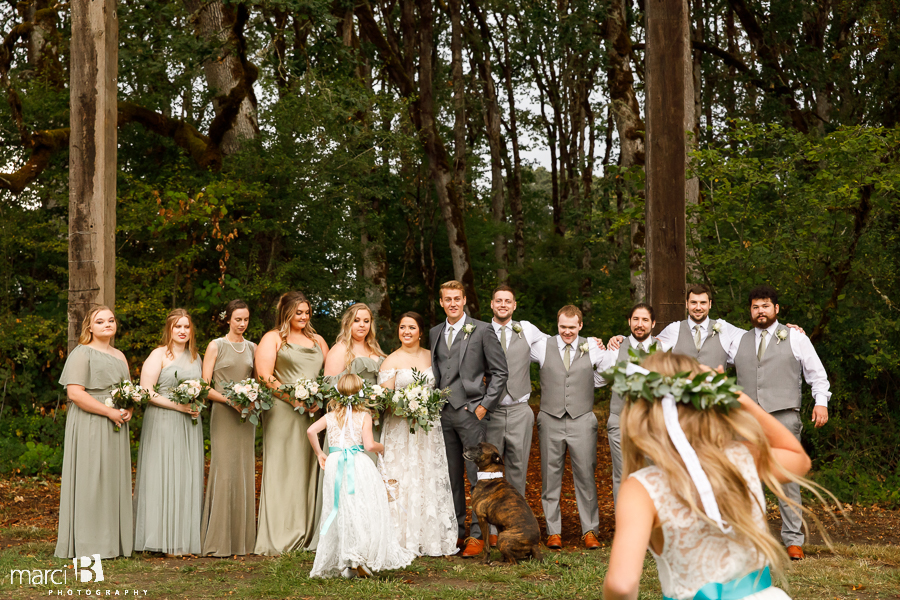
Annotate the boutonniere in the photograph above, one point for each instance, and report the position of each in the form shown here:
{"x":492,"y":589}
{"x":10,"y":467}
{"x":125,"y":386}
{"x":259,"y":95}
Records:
{"x":518,"y":329}
{"x":781,"y":334}
{"x":467,"y":329}
{"x":584,"y":348}
{"x":716,"y":328}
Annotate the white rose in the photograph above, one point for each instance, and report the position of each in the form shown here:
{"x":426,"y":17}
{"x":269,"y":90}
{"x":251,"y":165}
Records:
{"x":301,"y":393}
{"x":109,"y":402}
{"x":314,"y":388}
{"x":252,"y":394}
{"x":378,"y":390}
{"x":413,"y":405}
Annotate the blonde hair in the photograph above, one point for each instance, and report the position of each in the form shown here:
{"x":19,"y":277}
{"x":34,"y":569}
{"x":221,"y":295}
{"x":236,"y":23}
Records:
{"x":570,"y":310}
{"x":645,"y":441}
{"x":346,"y":337}
{"x":85,"y":337}
{"x":348,"y":385}
{"x":287,"y":306}
{"x":452,"y":285}
{"x":168,"y":339}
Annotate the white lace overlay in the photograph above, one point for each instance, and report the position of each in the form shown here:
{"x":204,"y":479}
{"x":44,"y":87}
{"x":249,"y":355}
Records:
{"x":362,"y":532}
{"x":694,"y":551}
{"x":423,"y":512}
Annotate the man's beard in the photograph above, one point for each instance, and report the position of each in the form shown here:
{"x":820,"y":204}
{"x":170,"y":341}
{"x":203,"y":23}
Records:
{"x":765,"y":324}
{"x":646,"y":335}
{"x":703,"y":318}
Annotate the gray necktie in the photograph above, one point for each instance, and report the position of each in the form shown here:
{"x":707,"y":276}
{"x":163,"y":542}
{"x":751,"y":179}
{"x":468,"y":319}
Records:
{"x":567,"y":357}
{"x":450,"y":338}
{"x":697,"y":337}
{"x":503,"y":338}
{"x":762,"y":344}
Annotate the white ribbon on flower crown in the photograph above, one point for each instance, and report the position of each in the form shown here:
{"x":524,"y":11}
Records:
{"x":688,"y":455}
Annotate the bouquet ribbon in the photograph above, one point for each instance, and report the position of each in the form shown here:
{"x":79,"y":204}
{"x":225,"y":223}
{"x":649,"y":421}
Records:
{"x":736,"y":588}
{"x":346,"y":459}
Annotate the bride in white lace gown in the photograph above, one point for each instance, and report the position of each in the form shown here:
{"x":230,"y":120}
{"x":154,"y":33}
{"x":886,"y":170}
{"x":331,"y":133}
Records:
{"x":423,"y":513}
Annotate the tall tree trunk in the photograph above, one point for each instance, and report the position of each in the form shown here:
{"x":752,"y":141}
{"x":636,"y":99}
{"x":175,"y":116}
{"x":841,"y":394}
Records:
{"x":230,"y":75}
{"x":513,"y":171}
{"x":691,"y":109}
{"x":630,"y":127}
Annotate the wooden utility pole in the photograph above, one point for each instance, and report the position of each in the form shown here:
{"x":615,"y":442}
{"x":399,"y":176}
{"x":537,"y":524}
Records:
{"x":665,"y":147}
{"x":92,"y":159}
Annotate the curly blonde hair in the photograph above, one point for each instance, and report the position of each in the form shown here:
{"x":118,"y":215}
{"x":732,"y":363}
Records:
{"x":645,"y":441}
{"x":346,"y":338}
{"x":287,"y":306}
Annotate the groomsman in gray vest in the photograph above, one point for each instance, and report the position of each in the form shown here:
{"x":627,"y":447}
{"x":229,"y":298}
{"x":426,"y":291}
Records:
{"x":708,"y":340}
{"x":465,"y":357}
{"x":770,"y":371}
{"x":512,"y":423}
{"x":641,"y":322}
{"x":570,"y":369}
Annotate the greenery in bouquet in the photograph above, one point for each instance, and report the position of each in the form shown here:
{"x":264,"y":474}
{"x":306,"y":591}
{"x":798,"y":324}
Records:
{"x":419,"y":403}
{"x":126,"y":395}
{"x":192,"y":392}
{"x":308,"y":392}
{"x":250,"y":397}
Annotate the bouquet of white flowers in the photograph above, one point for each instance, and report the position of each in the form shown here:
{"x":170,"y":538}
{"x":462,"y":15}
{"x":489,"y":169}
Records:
{"x":126,"y":395}
{"x":307,"y":391}
{"x":191,"y":392}
{"x":250,"y":396}
{"x":419,"y":403}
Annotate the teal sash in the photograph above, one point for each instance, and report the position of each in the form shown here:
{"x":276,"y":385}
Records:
{"x":736,"y":589}
{"x":346,"y":458}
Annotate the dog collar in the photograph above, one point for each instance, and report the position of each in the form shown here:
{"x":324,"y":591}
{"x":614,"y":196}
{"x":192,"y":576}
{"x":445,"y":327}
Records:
{"x":487,"y":475}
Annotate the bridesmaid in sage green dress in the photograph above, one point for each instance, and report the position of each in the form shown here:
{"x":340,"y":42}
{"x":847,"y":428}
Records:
{"x":168,"y":490}
{"x":228,"y":526}
{"x":95,"y":492}
{"x":290,"y":500}
{"x":357,"y":351}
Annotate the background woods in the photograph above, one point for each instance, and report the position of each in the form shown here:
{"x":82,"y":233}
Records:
{"x":370,"y":150}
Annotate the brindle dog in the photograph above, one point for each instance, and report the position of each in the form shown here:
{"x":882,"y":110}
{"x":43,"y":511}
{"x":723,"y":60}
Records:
{"x":496,"y":502}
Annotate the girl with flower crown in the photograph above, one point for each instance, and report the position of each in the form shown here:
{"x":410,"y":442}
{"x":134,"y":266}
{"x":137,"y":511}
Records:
{"x":691,"y":488}
{"x":356,"y":538}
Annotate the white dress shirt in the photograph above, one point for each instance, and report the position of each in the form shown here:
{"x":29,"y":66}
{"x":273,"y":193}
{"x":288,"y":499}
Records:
{"x":633,"y":343}
{"x":455,"y":328}
{"x":803,"y":351}
{"x":729,"y":337}
{"x":530,"y":334}
{"x":645,"y":345}
{"x":600,"y":359}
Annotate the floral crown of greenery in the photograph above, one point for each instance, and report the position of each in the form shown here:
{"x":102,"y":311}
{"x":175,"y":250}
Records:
{"x":632,"y":382}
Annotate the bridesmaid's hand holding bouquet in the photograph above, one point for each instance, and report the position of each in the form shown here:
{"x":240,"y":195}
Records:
{"x":125,"y":396}
{"x":191,"y":393}
{"x":250,"y":397}
{"x":306,"y":394}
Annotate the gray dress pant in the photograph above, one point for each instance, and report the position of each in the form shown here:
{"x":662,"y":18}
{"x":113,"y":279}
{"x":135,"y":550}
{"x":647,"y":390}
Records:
{"x":510,"y":430}
{"x":614,"y":435}
{"x":461,"y":430}
{"x":791,"y":520}
{"x":579,"y":437}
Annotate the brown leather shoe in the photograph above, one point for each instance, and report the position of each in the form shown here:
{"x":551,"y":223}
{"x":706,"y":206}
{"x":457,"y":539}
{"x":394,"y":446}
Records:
{"x":554,"y":542}
{"x":473,"y":548}
{"x":590,"y":541}
{"x":795,"y":553}
{"x":493,"y":540}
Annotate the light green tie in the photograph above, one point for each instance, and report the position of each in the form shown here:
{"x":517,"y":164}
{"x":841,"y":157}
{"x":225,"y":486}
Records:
{"x":762,"y":345}
{"x":567,"y":357}
{"x":450,"y":338}
{"x":697,"y":337}
{"x":503,"y":338}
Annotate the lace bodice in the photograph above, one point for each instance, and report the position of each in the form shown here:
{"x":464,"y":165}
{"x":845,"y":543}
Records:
{"x":696,"y":552}
{"x":352,"y":435}
{"x":404,"y":377}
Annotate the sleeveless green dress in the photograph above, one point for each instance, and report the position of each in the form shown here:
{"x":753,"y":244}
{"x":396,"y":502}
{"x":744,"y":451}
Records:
{"x":228,"y":525}
{"x":95,"y":492}
{"x":168,"y":489}
{"x":290,"y":499}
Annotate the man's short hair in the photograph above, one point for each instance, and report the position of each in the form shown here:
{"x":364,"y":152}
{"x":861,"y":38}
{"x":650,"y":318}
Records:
{"x":452,"y":285}
{"x":697,"y":290}
{"x":643,"y":305}
{"x":570,"y":310}
{"x":503,"y":288}
{"x":762,"y":292}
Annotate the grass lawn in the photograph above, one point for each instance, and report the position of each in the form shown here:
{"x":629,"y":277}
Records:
{"x":851,"y":572}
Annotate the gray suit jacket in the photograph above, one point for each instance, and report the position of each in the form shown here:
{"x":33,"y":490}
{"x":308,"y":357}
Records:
{"x":482,"y":364}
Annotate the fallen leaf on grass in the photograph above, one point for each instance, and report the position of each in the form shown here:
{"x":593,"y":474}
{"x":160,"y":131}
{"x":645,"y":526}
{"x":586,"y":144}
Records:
{"x":19,"y":499}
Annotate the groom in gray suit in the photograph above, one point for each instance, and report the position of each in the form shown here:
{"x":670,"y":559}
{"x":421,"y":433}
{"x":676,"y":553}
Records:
{"x":467,"y":358}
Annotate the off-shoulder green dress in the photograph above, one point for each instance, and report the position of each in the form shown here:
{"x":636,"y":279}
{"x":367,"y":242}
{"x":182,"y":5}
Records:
{"x":95,"y":493}
{"x":228,"y":526}
{"x":290,"y":498}
{"x":168,"y":489}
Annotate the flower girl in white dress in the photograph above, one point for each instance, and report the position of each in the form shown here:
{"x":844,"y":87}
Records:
{"x":357,"y":537}
{"x":691,"y":489}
